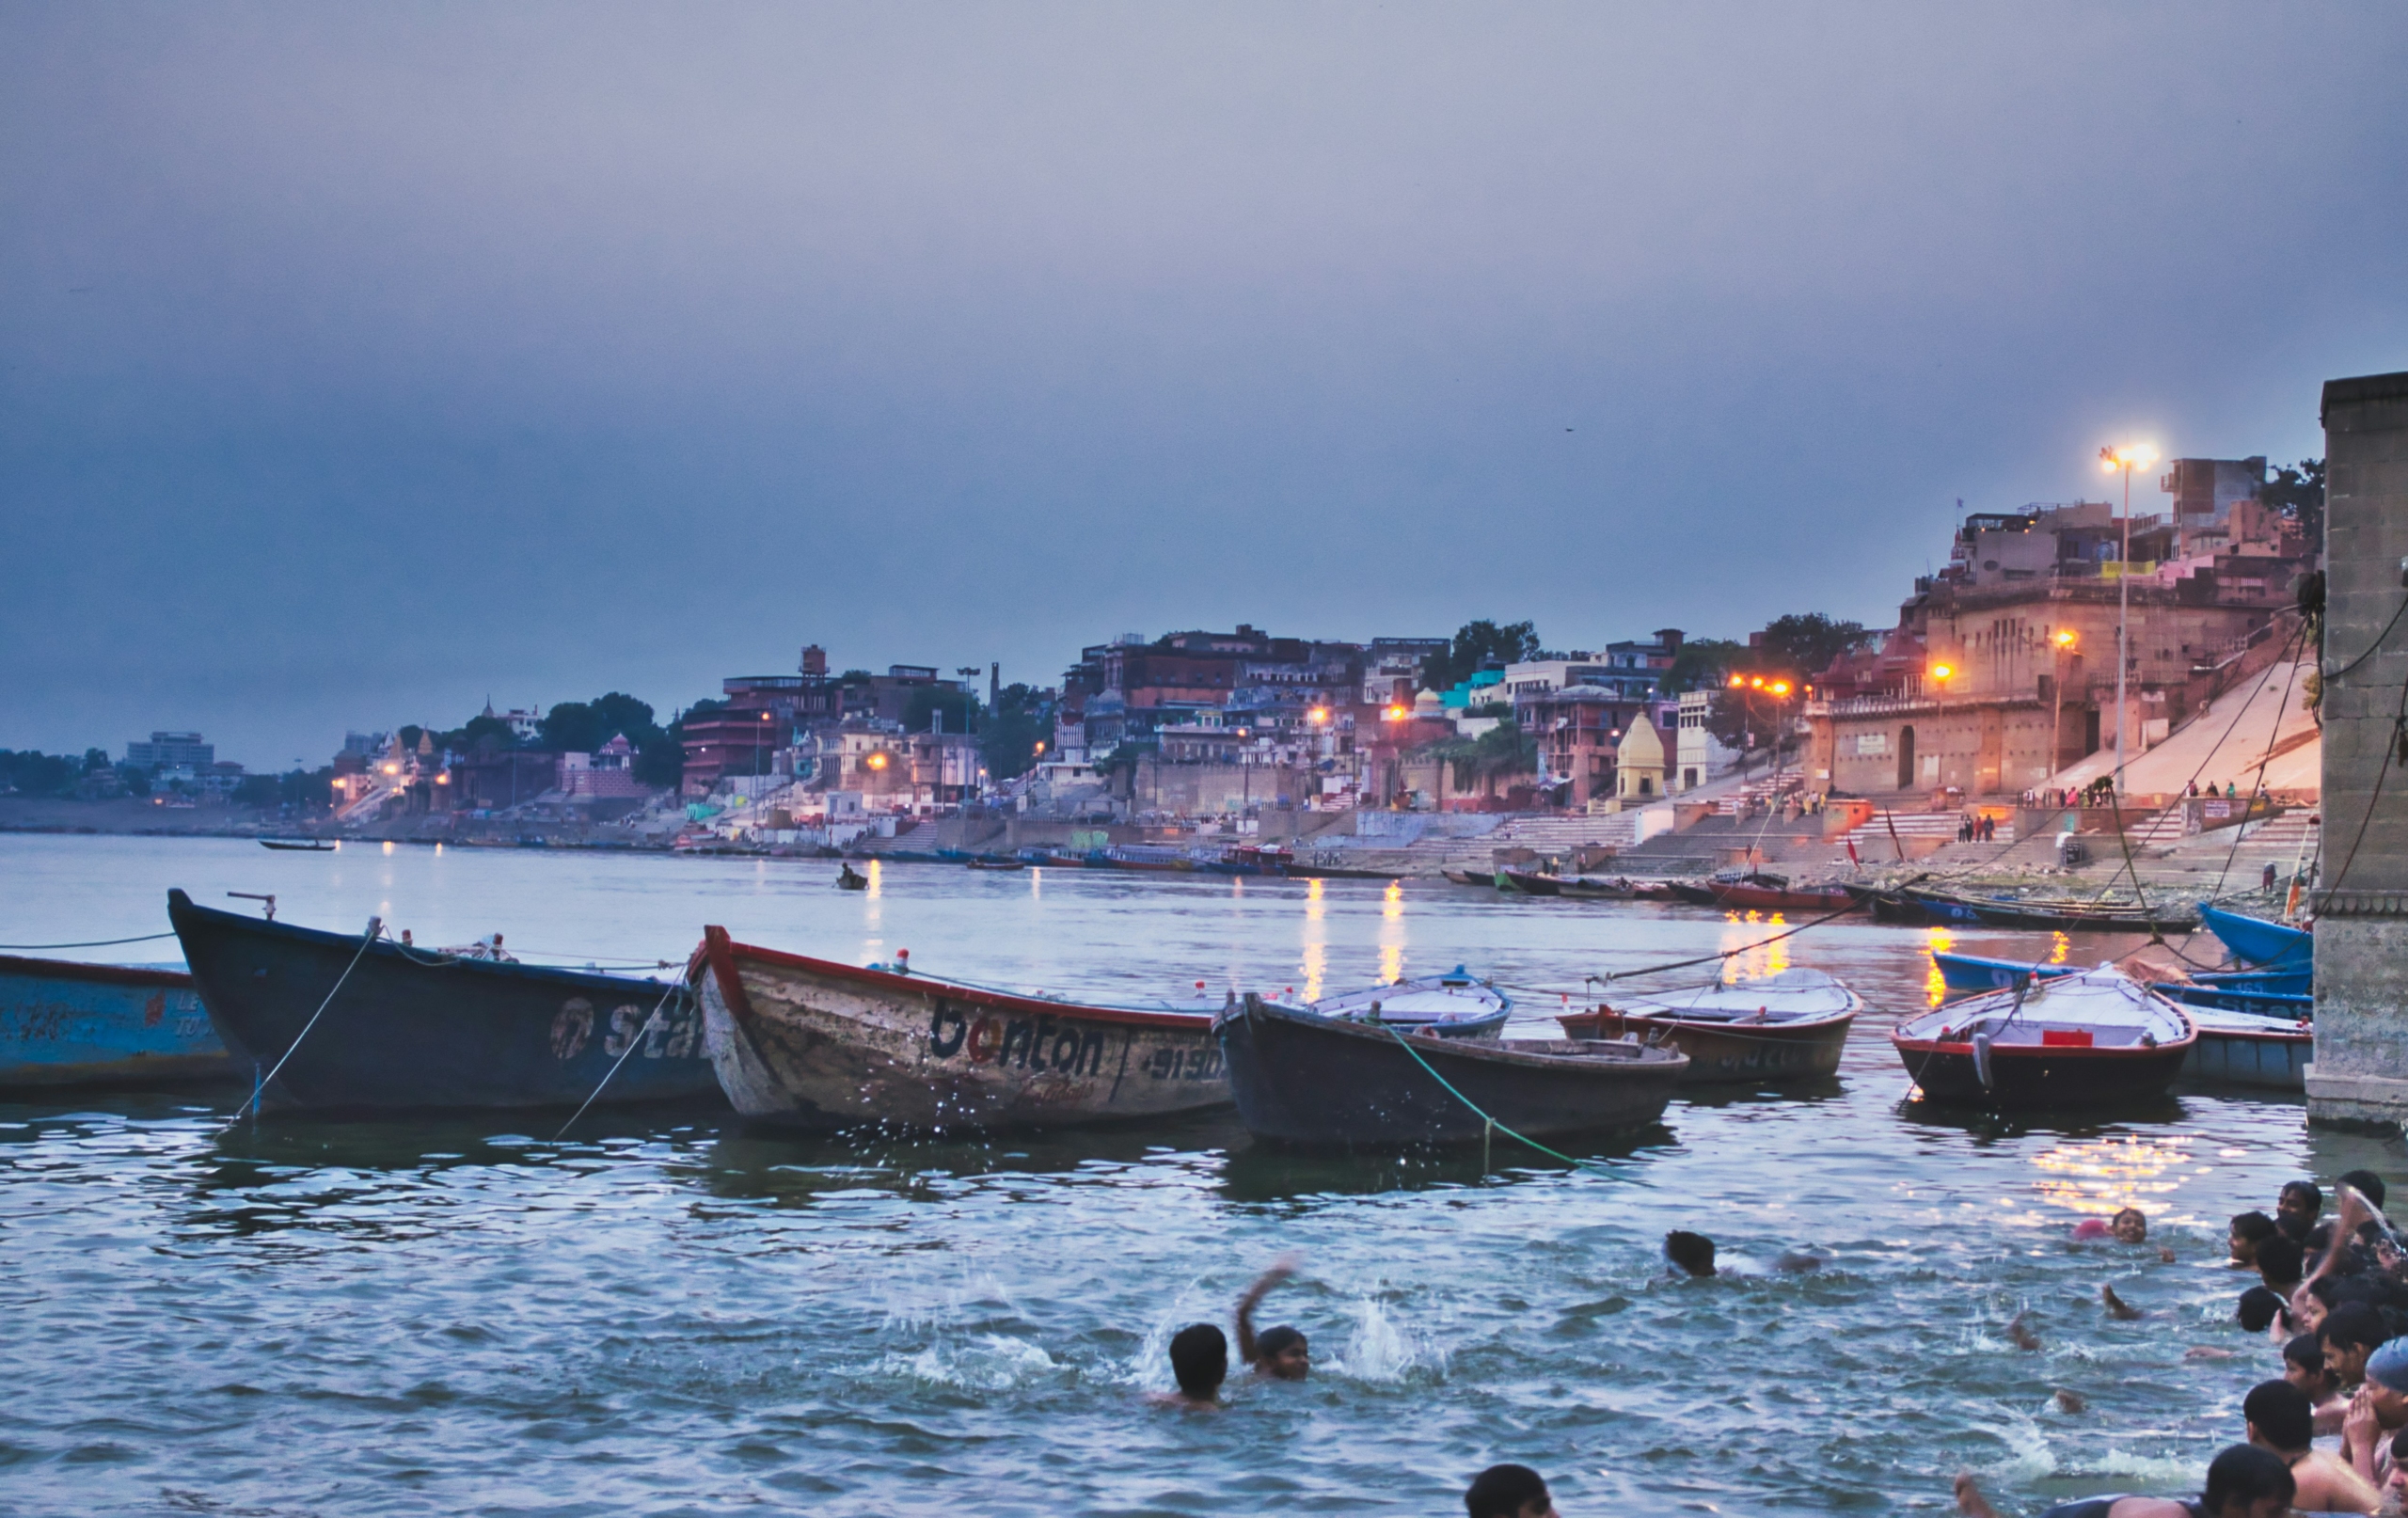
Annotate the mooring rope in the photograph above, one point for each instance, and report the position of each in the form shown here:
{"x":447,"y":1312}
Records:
{"x":628,"y":1054}
{"x":376,"y":926}
{"x":1494,"y":1126}
{"x":91,"y":943}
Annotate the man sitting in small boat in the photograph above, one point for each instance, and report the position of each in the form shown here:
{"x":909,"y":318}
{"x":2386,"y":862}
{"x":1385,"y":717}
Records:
{"x":1199,"y":1359}
{"x":1281,"y":1353}
{"x":2242,"y":1482}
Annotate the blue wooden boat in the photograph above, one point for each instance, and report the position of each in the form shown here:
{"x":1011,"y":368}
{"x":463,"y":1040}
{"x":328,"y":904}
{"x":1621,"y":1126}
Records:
{"x":2268,"y":982}
{"x":2265,"y":1003}
{"x":1967,"y":972}
{"x":63,"y":1023}
{"x":2240,"y":1049}
{"x":413,"y":1028}
{"x":2259,"y":943}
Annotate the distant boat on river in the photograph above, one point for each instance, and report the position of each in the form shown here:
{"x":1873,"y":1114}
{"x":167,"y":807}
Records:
{"x":418,"y":1028}
{"x":1791,"y":1026}
{"x":64,"y":1024}
{"x":817,"y":1044}
{"x":298,"y":846}
{"x":2092,"y":1039}
{"x":1301,"y":1078}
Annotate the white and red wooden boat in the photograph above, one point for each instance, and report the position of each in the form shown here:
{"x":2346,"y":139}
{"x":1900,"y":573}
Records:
{"x":2089,"y":1039}
{"x":1791,"y":1026}
{"x":817,"y":1044}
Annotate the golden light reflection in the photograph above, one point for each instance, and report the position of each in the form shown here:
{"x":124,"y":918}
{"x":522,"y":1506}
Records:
{"x":1935,"y":985}
{"x":1392,"y":931}
{"x":388,"y":846}
{"x":2060,"y":946}
{"x":1037,"y":880}
{"x":1750,"y":956}
{"x":1316,"y":965}
{"x":2101,"y":1176}
{"x":876,"y":881}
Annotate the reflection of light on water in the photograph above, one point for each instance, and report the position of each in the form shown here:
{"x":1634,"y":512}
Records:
{"x":2059,"y":947}
{"x":1037,"y":882}
{"x":1392,"y":931}
{"x":1935,"y":986}
{"x":876,"y":881}
{"x":388,"y":846}
{"x":1316,"y":940}
{"x":2105,"y":1175}
{"x":1750,"y":956}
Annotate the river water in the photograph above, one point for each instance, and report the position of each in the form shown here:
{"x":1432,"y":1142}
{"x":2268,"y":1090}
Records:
{"x":664,"y":1314}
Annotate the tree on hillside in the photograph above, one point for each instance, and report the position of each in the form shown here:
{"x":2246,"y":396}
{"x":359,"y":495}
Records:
{"x":1008,"y":736}
{"x":1704,"y":664}
{"x":1802,"y":646}
{"x":1477,"y":644}
{"x":928,"y":703}
{"x":2298,"y":493}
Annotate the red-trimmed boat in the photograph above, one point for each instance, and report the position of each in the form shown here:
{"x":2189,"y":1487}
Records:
{"x":815,"y":1044}
{"x":1753,"y":896}
{"x":1791,"y":1026}
{"x":2095,"y":1038}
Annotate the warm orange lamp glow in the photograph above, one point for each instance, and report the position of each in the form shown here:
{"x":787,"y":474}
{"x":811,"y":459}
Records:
{"x":1942,"y":672}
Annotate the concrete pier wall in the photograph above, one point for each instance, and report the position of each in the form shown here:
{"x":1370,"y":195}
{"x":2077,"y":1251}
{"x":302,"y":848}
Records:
{"x":2360,"y":1076}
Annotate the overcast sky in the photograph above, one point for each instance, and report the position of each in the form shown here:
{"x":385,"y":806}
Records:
{"x":364,"y":360}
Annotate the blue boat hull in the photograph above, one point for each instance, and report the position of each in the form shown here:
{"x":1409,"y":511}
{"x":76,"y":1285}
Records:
{"x":76,"y":1025}
{"x":2259,"y":943}
{"x":1972,"y":972}
{"x":409,"y":1029}
{"x":2250,"y":1060}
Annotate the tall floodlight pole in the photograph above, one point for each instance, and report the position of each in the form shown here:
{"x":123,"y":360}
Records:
{"x":2112,"y":459}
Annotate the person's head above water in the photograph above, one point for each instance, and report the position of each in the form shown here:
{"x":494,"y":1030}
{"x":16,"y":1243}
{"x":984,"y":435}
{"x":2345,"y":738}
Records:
{"x":2366,"y":1184}
{"x":2351,"y":1332}
{"x":2304,"y":1365}
{"x":1199,"y":1357}
{"x":2249,"y":1230}
{"x":2129,"y":1226}
{"x":1509,"y":1492}
{"x":2246,"y":1481}
{"x":2280,"y":1263}
{"x":2296,"y":1209}
{"x":2257,"y":1309}
{"x":1691,"y":1252}
{"x":1282,"y":1353}
{"x":2279,"y":1416}
{"x":2386,"y":1382}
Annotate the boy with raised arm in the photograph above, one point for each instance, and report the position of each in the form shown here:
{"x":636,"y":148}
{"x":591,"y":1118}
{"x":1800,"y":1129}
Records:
{"x":1281,"y":1353}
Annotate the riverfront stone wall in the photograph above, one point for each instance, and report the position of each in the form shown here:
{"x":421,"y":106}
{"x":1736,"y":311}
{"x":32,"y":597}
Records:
{"x":2360,"y":1076}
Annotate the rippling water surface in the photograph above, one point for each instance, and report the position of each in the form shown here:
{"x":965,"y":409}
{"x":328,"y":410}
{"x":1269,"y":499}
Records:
{"x":665,"y":1314}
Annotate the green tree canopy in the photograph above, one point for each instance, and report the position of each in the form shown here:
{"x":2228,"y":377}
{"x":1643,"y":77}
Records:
{"x":2298,"y":491}
{"x":1704,"y":664}
{"x":1477,"y":644}
{"x":1803,"y":644}
{"x":927,"y":703}
{"x":1008,"y":736}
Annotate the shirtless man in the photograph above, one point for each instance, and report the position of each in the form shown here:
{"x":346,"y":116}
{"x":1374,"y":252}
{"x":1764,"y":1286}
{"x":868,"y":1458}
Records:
{"x":1509,"y":1492}
{"x":2249,"y":1230}
{"x":2379,"y":1411}
{"x":1199,"y":1360}
{"x":2242,"y":1482}
{"x":2303,"y":1367}
{"x":2351,"y":1332}
{"x":2279,"y":1418}
{"x":1281,"y":1353}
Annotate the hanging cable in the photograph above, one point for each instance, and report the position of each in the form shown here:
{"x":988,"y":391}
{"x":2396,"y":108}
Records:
{"x":376,"y":926}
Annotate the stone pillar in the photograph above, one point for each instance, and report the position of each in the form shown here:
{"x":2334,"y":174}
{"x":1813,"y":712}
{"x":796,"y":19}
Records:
{"x":2360,"y":1076}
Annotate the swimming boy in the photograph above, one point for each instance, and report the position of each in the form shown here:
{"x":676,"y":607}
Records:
{"x":1199,"y":1360}
{"x":2297,"y":1208}
{"x":1693,"y":1253}
{"x":2242,"y":1482}
{"x":2278,"y":1418}
{"x":1281,"y":1353}
{"x":2249,"y":1230}
{"x":1509,"y":1492}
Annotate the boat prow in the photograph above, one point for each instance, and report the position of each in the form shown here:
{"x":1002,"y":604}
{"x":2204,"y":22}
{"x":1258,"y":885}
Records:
{"x":2081,"y":1040}
{"x":820,"y":1045}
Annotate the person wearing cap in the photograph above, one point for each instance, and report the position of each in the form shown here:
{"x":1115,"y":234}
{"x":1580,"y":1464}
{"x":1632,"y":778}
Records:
{"x":2378,"y":1410}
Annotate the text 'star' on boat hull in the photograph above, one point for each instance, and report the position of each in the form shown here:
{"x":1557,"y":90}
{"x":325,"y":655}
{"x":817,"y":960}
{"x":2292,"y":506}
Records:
{"x":815,"y":1044}
{"x":414,"y":1029}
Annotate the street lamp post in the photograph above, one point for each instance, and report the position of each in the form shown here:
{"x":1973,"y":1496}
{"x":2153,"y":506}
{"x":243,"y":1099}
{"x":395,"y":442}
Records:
{"x":2112,"y":459}
{"x":2059,"y":644}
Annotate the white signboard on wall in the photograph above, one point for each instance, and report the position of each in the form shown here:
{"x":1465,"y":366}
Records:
{"x":1869,"y":743}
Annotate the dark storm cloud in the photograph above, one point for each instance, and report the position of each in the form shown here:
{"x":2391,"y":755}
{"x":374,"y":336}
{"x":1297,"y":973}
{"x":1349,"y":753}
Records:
{"x":361,"y":360}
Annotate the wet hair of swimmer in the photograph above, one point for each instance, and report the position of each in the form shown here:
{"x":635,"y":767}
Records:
{"x":2299,"y":1196}
{"x":2355,"y":1325}
{"x":2281,"y":1415}
{"x":2304,"y":1354}
{"x":1691,"y":1252}
{"x":2257,"y":1308}
{"x":1275,"y":1342}
{"x":1507,"y":1491}
{"x":2366,"y":1184}
{"x":2253,"y":1227}
{"x":2130,"y":1225}
{"x":2281,"y":1262}
{"x":1199,"y":1358}
{"x":2246,"y":1474}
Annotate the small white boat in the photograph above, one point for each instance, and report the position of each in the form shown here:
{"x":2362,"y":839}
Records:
{"x":1456,"y":1005}
{"x":1784,"y":1027}
{"x":2089,"y":1039}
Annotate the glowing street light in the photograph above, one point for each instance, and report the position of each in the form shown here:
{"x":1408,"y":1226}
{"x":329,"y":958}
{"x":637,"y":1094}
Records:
{"x":1320,"y":716}
{"x":2067,"y":637}
{"x":1396,"y":714}
{"x":2127,"y":458}
{"x":1943,"y":673}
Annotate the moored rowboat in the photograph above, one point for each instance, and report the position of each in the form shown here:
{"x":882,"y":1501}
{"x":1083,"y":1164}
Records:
{"x":815,"y":1044}
{"x":414,"y":1028}
{"x":2085,"y":1039}
{"x":1452,"y":1006}
{"x":1309,"y":1080}
{"x":1791,"y":1026}
{"x":1741,"y":896}
{"x":2244,"y":1049}
{"x":63,"y":1023}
